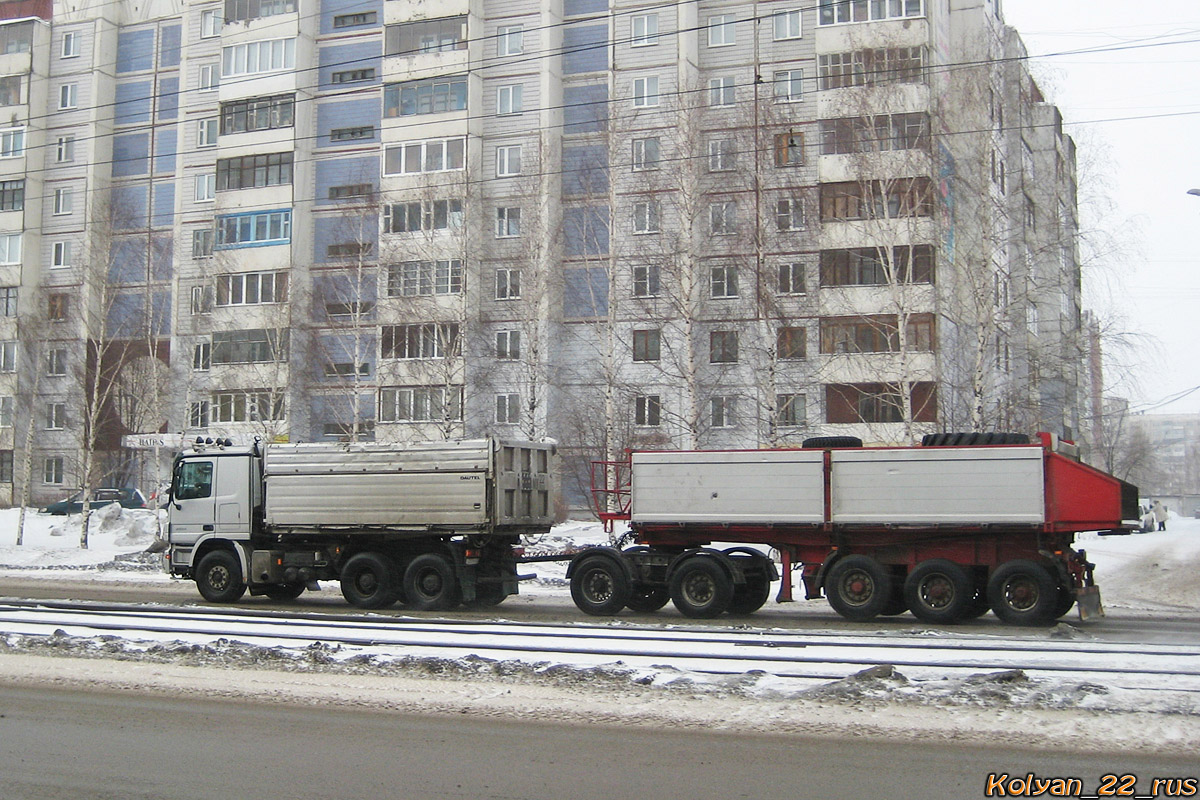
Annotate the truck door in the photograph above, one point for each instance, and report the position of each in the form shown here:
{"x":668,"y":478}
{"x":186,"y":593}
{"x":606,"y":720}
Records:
{"x":193,"y":507}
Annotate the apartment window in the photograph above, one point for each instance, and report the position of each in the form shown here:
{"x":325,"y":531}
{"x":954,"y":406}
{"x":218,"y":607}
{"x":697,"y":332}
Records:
{"x":68,"y":96}
{"x":355,"y":20}
{"x":210,"y":23}
{"x":721,"y":92}
{"x":833,"y":12}
{"x":721,"y":30}
{"x":202,"y":242}
{"x":199,"y":415}
{"x":789,"y":214}
{"x":202,"y":299}
{"x":240,"y":10}
{"x":508,"y":345}
{"x":786,"y":24}
{"x":645,"y":92}
{"x":350,"y":250}
{"x":56,"y":416}
{"x":723,"y":281}
{"x":646,"y":280}
{"x":508,"y":223}
{"x":60,"y":255}
{"x":252,"y":346}
{"x":425,"y":278}
{"x":426,"y":215}
{"x":16,"y":38}
{"x":8,"y":301}
{"x":56,"y":362}
{"x":723,"y":347}
{"x":210,"y":78}
{"x":10,"y":248}
{"x":647,"y":410}
{"x":645,"y":217}
{"x":790,"y":344}
{"x":245,"y":172}
{"x":723,"y":410}
{"x":253,"y":58}
{"x":871,"y":134}
{"x":52,"y":472}
{"x":426,"y":340}
{"x":420,"y":404}
{"x":508,"y":99}
{"x":508,"y":408}
{"x":251,"y":288}
{"x":789,"y":85}
{"x":644,"y":30}
{"x":250,"y":405}
{"x":352,"y":134}
{"x":353,"y":75}
{"x":789,"y":149}
{"x":12,"y":195}
{"x":723,"y":218}
{"x":6,"y":466}
{"x":646,"y":153}
{"x":8,"y":356}
{"x":206,"y":133}
{"x":721,"y":155}
{"x":790,"y":411}
{"x":508,"y":283}
{"x":258,"y":114}
{"x":892,"y":199}
{"x":64,"y":149}
{"x":70,"y":44}
{"x":426,"y":96}
{"x":879,"y":333}
{"x":10,"y":90}
{"x":202,"y":357}
{"x":205,"y":185}
{"x":871,"y":67}
{"x":12,"y":142}
{"x":430,"y":155}
{"x":878,"y":266}
{"x":878,"y":402}
{"x":791,"y":278}
{"x":6,"y":411}
{"x":57,"y":307}
{"x":508,"y":160}
{"x":426,"y":36}
{"x":64,"y":201}
{"x":510,"y":40}
{"x":254,"y":230}
{"x":647,"y":345}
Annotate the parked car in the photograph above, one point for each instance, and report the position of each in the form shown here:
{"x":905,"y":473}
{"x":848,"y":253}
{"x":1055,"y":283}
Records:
{"x":128,"y":498}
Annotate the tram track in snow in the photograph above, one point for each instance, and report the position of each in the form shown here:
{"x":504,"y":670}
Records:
{"x":816,"y":656}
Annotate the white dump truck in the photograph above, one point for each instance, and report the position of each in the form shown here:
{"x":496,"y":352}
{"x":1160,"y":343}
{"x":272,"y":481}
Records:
{"x":431,"y":524}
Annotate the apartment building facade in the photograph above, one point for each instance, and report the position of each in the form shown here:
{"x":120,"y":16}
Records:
{"x":615,"y":223}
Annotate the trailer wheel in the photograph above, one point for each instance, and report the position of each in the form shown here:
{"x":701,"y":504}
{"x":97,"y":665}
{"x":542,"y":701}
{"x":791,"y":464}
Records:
{"x":1022,"y":592}
{"x":430,"y":584}
{"x":750,"y":596}
{"x":1066,"y":601}
{"x":284,"y":591}
{"x":896,"y":604}
{"x":369,"y":581}
{"x":939,"y":591}
{"x":648,"y":599}
{"x":219,"y":577}
{"x":600,"y":587}
{"x":700,"y":588}
{"x":859,"y":588}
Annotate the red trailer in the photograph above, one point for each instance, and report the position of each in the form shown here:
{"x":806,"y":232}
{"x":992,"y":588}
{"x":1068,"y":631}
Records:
{"x":947,"y":530}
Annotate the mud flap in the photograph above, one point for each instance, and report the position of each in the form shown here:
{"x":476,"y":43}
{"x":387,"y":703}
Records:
{"x":1088,"y":600}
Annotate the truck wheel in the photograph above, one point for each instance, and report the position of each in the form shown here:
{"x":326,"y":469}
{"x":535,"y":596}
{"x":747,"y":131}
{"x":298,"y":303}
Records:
{"x":369,"y":581}
{"x":1022,"y":592}
{"x":858,"y":588}
{"x":600,"y":587}
{"x":819,"y":442}
{"x":648,"y":599}
{"x":896,"y":604}
{"x":430,"y":583}
{"x":751,"y":595}
{"x":939,"y":591}
{"x":219,"y":577}
{"x":700,"y":588}
{"x":1066,"y":601}
{"x":284,"y":591}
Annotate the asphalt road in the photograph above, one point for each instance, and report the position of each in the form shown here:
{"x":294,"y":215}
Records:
{"x":98,"y":746}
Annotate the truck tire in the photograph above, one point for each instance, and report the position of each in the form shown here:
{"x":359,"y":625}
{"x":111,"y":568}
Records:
{"x":430,"y":583}
{"x":369,"y":581}
{"x":750,"y":596}
{"x":1022,"y":592}
{"x":284,"y":591}
{"x":966,"y":439}
{"x":600,"y":587}
{"x":821,"y":442}
{"x":700,"y":588}
{"x":647,"y":599}
{"x":858,"y":587}
{"x":219,"y":577}
{"x":939,"y":591}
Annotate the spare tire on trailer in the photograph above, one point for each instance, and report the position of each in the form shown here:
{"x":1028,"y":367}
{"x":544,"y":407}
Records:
{"x":822,"y":442}
{"x":966,"y":439}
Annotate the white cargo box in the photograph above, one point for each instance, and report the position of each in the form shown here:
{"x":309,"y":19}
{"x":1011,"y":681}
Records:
{"x":954,"y":486}
{"x":731,"y":486}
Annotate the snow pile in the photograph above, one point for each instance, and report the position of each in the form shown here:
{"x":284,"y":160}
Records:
{"x":116,"y":537}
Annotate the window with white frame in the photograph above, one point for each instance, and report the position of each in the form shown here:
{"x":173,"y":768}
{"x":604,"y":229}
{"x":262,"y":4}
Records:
{"x":508,"y":408}
{"x":68,"y":96}
{"x":64,"y":149}
{"x":786,"y":24}
{"x":721,"y":91}
{"x":423,"y":215}
{"x":199,"y":415}
{"x":206,"y":187}
{"x":721,"y":30}
{"x":8,"y":356}
{"x":791,"y":278}
{"x":723,"y":218}
{"x":56,"y":362}
{"x":203,"y":240}
{"x":646,"y":280}
{"x":789,"y":85}
{"x":210,"y":78}
{"x":251,"y":288}
{"x":56,"y":416}
{"x":210,"y":23}
{"x":645,"y":217}
{"x":508,"y":283}
{"x":834,"y":12}
{"x":6,"y":411}
{"x":428,"y":155}
{"x":64,"y":201}
{"x":12,"y":142}
{"x":254,"y":58}
{"x":508,"y":345}
{"x":508,"y":222}
{"x":202,"y":357}
{"x":724,"y":410}
{"x":8,"y":301}
{"x":250,"y":405}
{"x":647,"y":410}
{"x":643,"y":30}
{"x":789,"y":214}
{"x":206,"y":132}
{"x":202,"y":299}
{"x":10,"y":248}
{"x":52,"y":470}
{"x":60,"y":255}
{"x":70,"y":44}
{"x":508,"y":99}
{"x":790,"y":411}
{"x":425,"y":340}
{"x":645,"y":92}
{"x":508,"y":160}
{"x":425,"y":278}
{"x":510,"y":40}
{"x":646,"y":153}
{"x":420,"y":404}
{"x":254,"y":229}
{"x":721,"y":155}
{"x":723,"y":281}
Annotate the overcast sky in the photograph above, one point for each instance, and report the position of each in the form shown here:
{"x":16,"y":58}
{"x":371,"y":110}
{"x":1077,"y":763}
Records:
{"x":1137,"y":107}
